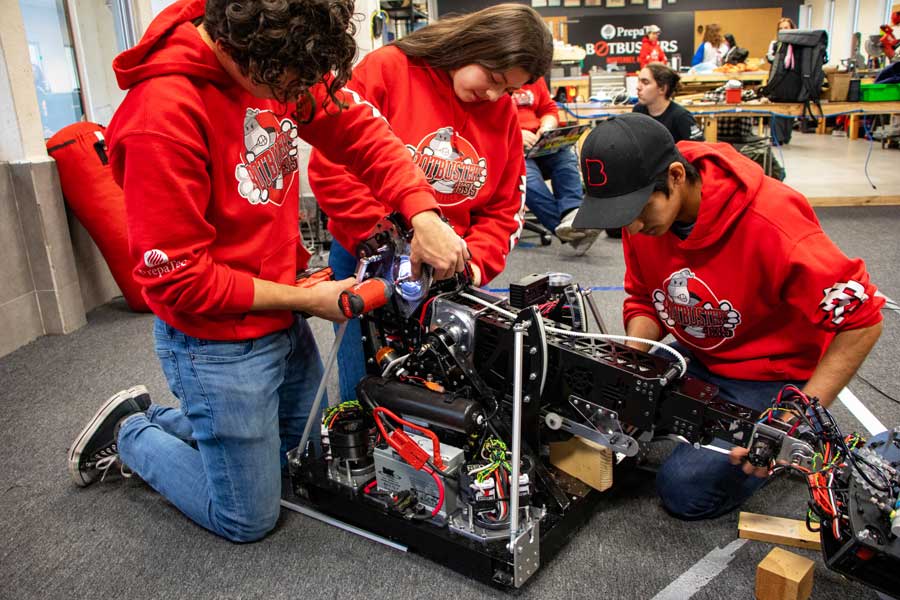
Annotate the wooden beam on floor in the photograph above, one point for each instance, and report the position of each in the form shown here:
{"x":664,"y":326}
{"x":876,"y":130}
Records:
{"x":776,"y":530}
{"x":855,"y":201}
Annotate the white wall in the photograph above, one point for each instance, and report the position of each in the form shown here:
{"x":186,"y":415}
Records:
{"x":871,"y":17}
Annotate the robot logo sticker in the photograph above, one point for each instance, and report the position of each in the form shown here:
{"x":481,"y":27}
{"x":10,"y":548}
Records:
{"x":270,"y":155}
{"x":842,"y":299}
{"x":451,"y":165}
{"x":693,"y":312}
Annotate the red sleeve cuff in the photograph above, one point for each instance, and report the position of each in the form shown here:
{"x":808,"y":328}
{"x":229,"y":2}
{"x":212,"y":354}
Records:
{"x":241,"y":298}
{"x":417,"y":202}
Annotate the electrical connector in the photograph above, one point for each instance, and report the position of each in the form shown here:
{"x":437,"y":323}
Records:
{"x":408,"y":449}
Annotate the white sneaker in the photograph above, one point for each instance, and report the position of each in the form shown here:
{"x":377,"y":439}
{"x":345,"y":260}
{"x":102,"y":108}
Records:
{"x":564,"y":230}
{"x":581,"y":246}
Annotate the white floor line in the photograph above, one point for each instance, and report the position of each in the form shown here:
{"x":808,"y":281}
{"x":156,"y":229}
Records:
{"x":706,"y":569}
{"x":862,"y":414}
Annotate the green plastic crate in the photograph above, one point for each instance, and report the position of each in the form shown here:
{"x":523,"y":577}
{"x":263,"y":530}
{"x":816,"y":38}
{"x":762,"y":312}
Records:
{"x":879,"y":92}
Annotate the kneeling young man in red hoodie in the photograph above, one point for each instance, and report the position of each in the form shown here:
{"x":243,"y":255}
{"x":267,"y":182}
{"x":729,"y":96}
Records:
{"x":736,"y":267}
{"x":205,"y":147}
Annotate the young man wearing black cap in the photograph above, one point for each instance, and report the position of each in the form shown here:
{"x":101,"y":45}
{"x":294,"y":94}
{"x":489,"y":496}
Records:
{"x":736,"y":267}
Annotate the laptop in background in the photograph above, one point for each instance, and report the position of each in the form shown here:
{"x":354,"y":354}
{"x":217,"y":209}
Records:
{"x":554,"y":140}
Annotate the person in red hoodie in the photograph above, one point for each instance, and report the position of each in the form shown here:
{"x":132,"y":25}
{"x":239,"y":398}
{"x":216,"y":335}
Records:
{"x":205,"y":147}
{"x":651,"y":51}
{"x":736,"y":267}
{"x":444,"y":89}
{"x":554,"y":209}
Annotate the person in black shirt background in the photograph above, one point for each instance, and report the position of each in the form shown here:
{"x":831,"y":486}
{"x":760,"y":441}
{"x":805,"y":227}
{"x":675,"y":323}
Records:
{"x":657,"y":84}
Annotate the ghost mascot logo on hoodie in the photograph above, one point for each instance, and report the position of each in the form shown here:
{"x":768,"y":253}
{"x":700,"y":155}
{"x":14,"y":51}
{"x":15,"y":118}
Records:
{"x":451,"y":165}
{"x":270,"y":154}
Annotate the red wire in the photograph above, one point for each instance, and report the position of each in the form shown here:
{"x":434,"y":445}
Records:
{"x":436,"y":443}
{"x":440,"y":487}
{"x":425,"y":310}
{"x":369,"y":486}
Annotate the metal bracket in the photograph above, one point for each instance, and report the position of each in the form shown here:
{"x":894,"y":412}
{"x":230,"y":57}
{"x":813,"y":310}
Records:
{"x":607,"y":429}
{"x":526,"y":551}
{"x":792,"y":451}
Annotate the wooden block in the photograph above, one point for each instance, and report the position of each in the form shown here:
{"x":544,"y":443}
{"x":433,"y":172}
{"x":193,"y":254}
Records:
{"x":854,"y":201}
{"x":776,"y":530}
{"x":783,"y":575}
{"x":585,"y":461}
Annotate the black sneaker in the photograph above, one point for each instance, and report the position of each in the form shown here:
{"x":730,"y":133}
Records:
{"x":94,"y":451}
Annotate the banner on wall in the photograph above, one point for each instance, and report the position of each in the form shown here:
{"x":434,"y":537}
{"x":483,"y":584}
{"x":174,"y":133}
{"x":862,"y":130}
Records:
{"x":616,"y":40}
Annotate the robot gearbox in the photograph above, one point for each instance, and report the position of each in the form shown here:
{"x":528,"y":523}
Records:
{"x":446,"y":449}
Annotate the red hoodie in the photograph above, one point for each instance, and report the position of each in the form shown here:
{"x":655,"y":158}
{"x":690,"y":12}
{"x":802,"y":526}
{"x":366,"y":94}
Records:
{"x":210,"y":179}
{"x":651,"y":51}
{"x":757,"y":290}
{"x":534,"y":103}
{"x":471,"y":152}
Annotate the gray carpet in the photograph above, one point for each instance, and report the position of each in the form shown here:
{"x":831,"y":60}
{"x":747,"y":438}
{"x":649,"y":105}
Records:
{"x":120,"y":539}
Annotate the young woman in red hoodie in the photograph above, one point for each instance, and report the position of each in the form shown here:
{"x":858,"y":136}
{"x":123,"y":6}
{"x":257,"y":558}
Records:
{"x":444,"y":90}
{"x":205,"y":147}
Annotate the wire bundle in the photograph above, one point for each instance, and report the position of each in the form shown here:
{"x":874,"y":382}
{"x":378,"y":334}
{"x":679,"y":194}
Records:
{"x":495,"y":469}
{"x":809,"y":421}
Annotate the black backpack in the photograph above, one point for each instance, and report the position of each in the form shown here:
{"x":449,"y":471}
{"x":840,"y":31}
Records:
{"x":796,"y":74}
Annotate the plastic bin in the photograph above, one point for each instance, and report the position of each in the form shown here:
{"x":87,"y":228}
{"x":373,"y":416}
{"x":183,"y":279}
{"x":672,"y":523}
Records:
{"x":879,"y":92}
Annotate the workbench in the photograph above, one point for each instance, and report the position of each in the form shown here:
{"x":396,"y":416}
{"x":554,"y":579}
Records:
{"x":707,"y":114}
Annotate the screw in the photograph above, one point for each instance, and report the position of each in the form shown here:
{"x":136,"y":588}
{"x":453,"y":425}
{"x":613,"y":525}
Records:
{"x":533,"y":350}
{"x":531,"y":377}
{"x":526,"y":399}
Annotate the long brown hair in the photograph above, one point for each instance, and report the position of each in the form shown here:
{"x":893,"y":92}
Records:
{"x":787,"y":20}
{"x":498,"y":38}
{"x":713,"y":35}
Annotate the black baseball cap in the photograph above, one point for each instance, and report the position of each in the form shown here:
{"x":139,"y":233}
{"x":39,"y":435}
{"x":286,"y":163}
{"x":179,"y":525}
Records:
{"x":620,"y":159}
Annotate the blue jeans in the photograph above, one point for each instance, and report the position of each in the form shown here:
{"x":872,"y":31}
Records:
{"x":561,"y":168}
{"x":351,"y":361}
{"x":702,"y":484}
{"x":244,"y":404}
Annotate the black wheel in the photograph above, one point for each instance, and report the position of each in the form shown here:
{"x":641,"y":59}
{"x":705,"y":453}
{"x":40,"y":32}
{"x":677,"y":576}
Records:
{"x":546,"y":239}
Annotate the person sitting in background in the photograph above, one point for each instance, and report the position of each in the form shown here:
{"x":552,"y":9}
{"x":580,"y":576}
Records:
{"x":780,"y":127}
{"x":713,"y":49}
{"x":554,"y":209}
{"x":735,"y":53}
{"x":657,"y":85}
{"x":651,"y":51}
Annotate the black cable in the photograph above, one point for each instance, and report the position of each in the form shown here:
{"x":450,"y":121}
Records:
{"x":887,"y":480}
{"x":877,"y":389}
{"x":869,"y":153}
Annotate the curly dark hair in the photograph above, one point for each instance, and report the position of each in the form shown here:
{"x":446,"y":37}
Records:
{"x":288,"y":45}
